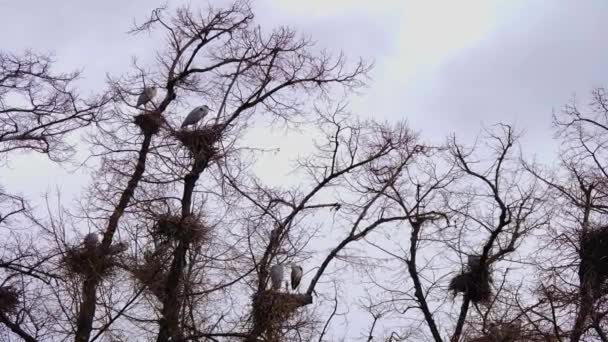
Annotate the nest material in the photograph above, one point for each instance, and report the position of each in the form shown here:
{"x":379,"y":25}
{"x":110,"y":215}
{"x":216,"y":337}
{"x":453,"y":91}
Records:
{"x":9,"y":299}
{"x":88,"y":260}
{"x":200,"y":142}
{"x":152,"y":274}
{"x":474,"y":282}
{"x":593,"y":253}
{"x":149,"y":123}
{"x":271,"y":309}
{"x":171,"y":227}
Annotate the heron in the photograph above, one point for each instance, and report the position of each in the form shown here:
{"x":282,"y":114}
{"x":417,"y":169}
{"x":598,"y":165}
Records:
{"x":196,"y":115}
{"x":473,"y":261}
{"x":146,"y":96}
{"x":276,"y":276}
{"x":91,"y":240}
{"x":296,"y":276}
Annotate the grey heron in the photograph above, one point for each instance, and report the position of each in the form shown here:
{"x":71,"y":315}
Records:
{"x":91,"y":240}
{"x":196,"y":115}
{"x":296,"y":276}
{"x":276,"y":276}
{"x":146,"y":96}
{"x":473,"y":261}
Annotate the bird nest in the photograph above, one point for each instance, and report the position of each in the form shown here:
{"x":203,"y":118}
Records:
{"x":9,"y":299}
{"x":151,"y":272}
{"x":88,"y":262}
{"x":474,"y":282}
{"x":271,"y":309}
{"x":91,"y":261}
{"x":593,"y":254}
{"x":200,"y":142}
{"x":149,"y":123}
{"x":173,"y":227}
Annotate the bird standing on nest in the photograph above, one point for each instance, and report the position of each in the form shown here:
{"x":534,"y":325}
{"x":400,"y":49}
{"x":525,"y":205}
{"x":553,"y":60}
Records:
{"x":276,"y":276}
{"x":296,"y":276}
{"x":146,"y":96}
{"x":196,"y":115}
{"x":91,"y":240}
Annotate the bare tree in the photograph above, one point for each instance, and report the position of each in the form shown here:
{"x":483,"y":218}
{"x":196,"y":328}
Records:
{"x":579,"y":187}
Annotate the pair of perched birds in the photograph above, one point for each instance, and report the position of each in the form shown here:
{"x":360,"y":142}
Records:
{"x":196,"y":115}
{"x":276,"y":275}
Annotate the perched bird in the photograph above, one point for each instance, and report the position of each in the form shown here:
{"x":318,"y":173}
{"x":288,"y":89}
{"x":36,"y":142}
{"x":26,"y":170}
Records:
{"x":276,"y":276}
{"x":196,"y":115}
{"x":296,"y":276}
{"x":91,"y":240}
{"x":146,"y":96}
{"x":473,"y":261}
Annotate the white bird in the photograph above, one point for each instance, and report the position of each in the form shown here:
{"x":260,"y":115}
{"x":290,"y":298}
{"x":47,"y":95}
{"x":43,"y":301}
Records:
{"x":196,"y":115}
{"x":296,"y":276}
{"x":91,"y":240}
{"x":146,"y":96}
{"x":276,"y":276}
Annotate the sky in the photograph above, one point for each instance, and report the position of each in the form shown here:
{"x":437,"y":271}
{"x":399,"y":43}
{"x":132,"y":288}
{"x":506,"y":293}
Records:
{"x":444,"y":66}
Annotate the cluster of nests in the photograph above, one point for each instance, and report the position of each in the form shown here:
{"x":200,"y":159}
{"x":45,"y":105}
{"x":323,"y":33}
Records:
{"x":9,"y":299}
{"x":201,"y":142}
{"x":593,"y":253}
{"x":89,"y":260}
{"x":271,"y":309}
{"x":474,"y":282}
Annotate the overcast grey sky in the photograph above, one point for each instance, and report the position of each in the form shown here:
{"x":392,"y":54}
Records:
{"x":444,"y":66}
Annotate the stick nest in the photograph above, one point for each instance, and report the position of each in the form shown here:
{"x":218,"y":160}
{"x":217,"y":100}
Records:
{"x":474,"y":282}
{"x":593,"y":253}
{"x":271,"y":309}
{"x":149,"y":123}
{"x":174,"y":228}
{"x":90,"y":261}
{"x":152,"y":272}
{"x":200,"y":142}
{"x":9,"y":299}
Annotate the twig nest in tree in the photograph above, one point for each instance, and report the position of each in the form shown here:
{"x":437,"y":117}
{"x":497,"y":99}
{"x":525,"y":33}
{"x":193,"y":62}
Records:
{"x":172,"y":227}
{"x":9,"y":299}
{"x":88,"y":262}
{"x":593,"y":253}
{"x":200,"y":142}
{"x":474,"y":282}
{"x":151,"y":271}
{"x":149,"y":122}
{"x":271,"y":309}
